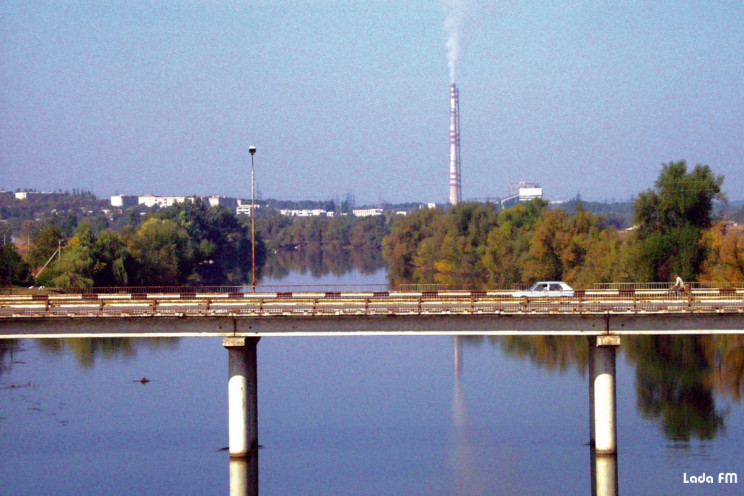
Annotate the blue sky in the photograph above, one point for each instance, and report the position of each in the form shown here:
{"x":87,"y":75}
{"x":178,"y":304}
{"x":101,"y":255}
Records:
{"x":588,"y":97}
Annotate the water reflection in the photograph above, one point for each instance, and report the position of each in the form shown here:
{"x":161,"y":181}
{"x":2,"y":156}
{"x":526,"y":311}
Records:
{"x":8,"y":348}
{"x":320,"y":261}
{"x":476,"y":450}
{"x":244,"y":475}
{"x":555,"y":353}
{"x":604,"y":474}
{"x":87,"y":350}
{"x":678,"y":378}
{"x":551,"y":352}
{"x":457,"y":347}
{"x":675,"y":376}
{"x":464,"y":462}
{"x":467,"y":464}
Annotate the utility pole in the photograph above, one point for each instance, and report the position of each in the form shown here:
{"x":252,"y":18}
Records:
{"x":252,"y":151}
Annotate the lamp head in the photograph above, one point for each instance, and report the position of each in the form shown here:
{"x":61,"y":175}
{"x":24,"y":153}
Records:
{"x":252,"y":150}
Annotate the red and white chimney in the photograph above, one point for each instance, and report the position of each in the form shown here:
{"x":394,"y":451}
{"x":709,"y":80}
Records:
{"x":455,"y":185}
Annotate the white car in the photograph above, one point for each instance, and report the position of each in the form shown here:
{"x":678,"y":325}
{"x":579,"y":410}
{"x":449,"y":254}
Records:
{"x":546,"y":288}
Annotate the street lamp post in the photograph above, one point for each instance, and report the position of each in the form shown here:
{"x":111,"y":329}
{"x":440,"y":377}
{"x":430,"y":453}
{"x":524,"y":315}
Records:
{"x":252,"y":151}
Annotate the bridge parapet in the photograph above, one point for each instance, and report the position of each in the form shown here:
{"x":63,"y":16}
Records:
{"x":620,"y":301}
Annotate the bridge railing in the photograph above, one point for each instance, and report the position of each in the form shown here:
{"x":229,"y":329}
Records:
{"x":234,"y":289}
{"x":460,"y":287}
{"x":665,"y":285}
{"x":262,"y":288}
{"x":430,"y":290}
{"x":368,"y":303}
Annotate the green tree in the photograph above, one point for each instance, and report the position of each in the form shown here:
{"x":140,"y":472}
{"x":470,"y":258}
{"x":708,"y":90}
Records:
{"x":459,"y":257}
{"x":401,"y":246}
{"x":74,"y":269}
{"x":220,"y":245}
{"x":368,"y":232}
{"x":532,"y":242}
{"x":579,"y":249}
{"x":546,"y":246}
{"x":43,"y":246}
{"x":602,"y":262}
{"x":507,"y":245}
{"x":670,"y":221}
{"x":75,"y":266}
{"x":270,"y":224}
{"x":113,"y":259}
{"x":229,"y":260}
{"x":336,"y":232}
{"x":162,"y":252}
{"x":13,"y":270}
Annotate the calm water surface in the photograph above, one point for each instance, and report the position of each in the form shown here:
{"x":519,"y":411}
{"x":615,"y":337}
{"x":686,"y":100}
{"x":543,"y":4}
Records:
{"x":350,"y":416}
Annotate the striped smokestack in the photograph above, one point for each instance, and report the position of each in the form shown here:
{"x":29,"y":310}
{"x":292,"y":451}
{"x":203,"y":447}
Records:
{"x":455,"y":186}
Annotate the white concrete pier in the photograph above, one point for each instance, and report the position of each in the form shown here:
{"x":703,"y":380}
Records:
{"x":605,"y":408}
{"x":590,"y":366}
{"x":242,"y":395}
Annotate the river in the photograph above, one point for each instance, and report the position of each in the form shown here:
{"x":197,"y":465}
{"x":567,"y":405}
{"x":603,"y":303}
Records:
{"x":367,"y":415}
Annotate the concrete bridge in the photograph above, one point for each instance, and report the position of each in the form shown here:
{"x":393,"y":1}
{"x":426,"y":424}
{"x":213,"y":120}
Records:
{"x":327,"y":313}
{"x":242,"y":319}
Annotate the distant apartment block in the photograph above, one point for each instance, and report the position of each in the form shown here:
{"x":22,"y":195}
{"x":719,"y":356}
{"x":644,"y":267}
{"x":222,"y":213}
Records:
{"x":240,"y":207}
{"x":367,"y":212}
{"x":160,"y":201}
{"x":25,"y":195}
{"x":315,"y":212}
{"x":243,"y":207}
{"x":124,"y":201}
{"x":222,"y":201}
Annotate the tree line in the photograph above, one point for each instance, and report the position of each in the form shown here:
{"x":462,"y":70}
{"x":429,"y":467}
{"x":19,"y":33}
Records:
{"x":334,"y":233}
{"x":469,"y":245}
{"x":477,"y":245}
{"x":188,"y":243}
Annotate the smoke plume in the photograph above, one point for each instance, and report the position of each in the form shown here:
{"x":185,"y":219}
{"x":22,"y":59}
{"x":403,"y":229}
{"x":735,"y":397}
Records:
{"x":457,"y":13}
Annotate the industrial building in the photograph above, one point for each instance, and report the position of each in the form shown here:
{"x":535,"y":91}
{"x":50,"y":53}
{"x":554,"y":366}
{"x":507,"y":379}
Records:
{"x":522,"y":192}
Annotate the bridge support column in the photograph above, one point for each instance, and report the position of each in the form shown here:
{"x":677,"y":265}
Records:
{"x":242,"y":395}
{"x":605,"y":408}
{"x":592,"y":340}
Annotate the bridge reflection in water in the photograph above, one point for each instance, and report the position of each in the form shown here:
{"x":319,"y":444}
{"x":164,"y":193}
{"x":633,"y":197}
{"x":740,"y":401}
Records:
{"x":604,"y":474}
{"x":603,"y":467}
{"x":244,"y":473}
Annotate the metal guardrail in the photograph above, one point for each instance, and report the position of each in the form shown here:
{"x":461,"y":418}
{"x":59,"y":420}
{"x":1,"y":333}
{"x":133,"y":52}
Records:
{"x":665,"y":285}
{"x":269,"y":288}
{"x":124,"y":290}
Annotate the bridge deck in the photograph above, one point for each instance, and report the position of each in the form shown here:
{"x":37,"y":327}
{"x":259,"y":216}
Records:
{"x":341,"y":313}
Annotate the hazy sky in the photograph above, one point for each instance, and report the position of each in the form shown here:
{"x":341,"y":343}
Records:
{"x":165,"y":97}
